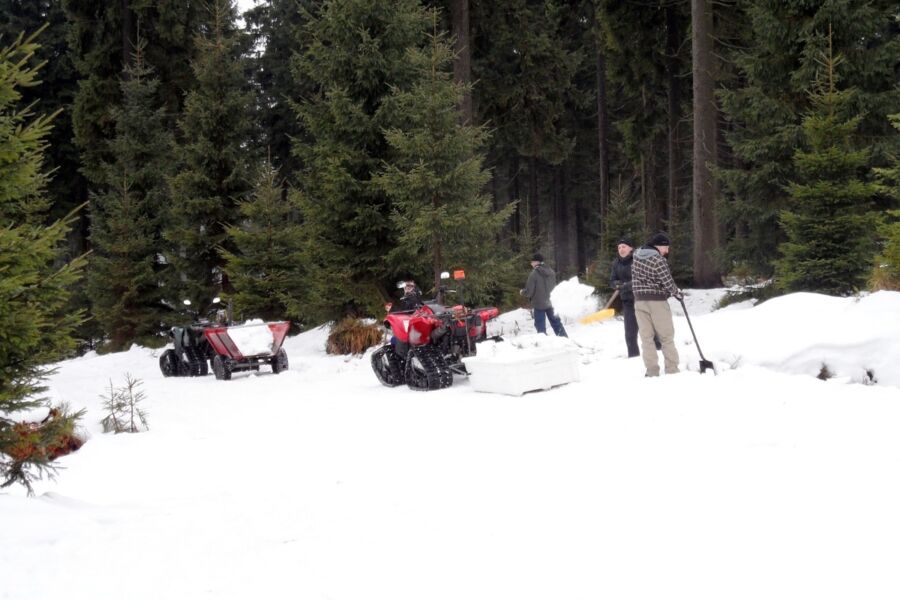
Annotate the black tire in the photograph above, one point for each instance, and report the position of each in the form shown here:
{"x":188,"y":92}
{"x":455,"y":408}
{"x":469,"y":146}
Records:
{"x":280,"y":362}
{"x":169,"y":364}
{"x":427,"y":369}
{"x":202,"y":368}
{"x":184,"y":369}
{"x":220,"y":368}
{"x":388,"y":366}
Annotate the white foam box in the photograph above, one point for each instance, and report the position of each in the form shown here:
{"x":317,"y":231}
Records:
{"x":514,"y":373}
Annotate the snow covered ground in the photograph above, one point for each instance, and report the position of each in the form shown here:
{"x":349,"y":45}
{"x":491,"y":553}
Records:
{"x":318,"y":483}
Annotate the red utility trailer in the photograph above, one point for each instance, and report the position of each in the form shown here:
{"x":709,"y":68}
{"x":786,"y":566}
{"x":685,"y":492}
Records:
{"x":246,"y":347}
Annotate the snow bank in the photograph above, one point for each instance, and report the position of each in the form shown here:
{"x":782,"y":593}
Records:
{"x":854,"y":338}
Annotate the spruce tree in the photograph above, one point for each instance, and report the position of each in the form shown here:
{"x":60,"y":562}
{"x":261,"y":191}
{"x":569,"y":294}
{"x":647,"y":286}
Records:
{"x":67,"y":188}
{"x":124,"y":277}
{"x":214,"y":163}
{"x":265,"y":269}
{"x":830,"y":221}
{"x":525,"y":66}
{"x":102,"y":37}
{"x":34,"y":329}
{"x":767,"y":104}
{"x":278,"y":26}
{"x":436,"y":177}
{"x":886,"y":273}
{"x":357,"y":56}
{"x":95,"y":46}
{"x":639,"y":84}
{"x":624,"y":219}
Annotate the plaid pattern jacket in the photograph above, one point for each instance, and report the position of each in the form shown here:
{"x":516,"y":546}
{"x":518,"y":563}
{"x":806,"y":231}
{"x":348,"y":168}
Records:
{"x":651,"y":278}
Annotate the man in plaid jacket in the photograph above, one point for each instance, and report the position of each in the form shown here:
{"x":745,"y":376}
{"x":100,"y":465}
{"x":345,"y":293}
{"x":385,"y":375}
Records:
{"x":652,"y":284}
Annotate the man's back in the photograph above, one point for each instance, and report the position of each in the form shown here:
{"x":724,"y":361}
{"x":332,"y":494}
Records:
{"x":541,"y":282}
{"x":650,"y":275}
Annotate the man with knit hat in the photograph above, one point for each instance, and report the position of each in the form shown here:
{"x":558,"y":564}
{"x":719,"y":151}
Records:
{"x":541,"y":282}
{"x":652,"y":284}
{"x":620,"y":279}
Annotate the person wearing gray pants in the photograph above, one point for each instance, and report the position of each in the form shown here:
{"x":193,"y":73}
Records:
{"x":652,"y":285}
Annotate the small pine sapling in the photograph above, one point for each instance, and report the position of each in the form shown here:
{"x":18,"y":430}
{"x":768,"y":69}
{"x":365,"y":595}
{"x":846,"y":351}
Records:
{"x":124,"y":415}
{"x":29,"y":447}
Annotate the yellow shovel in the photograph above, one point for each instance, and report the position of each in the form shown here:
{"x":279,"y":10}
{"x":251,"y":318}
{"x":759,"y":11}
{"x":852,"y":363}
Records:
{"x":602,"y":314}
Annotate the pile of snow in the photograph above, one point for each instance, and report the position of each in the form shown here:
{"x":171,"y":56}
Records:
{"x":253,"y":338}
{"x":572,"y":300}
{"x":759,"y":482}
{"x":525,"y":346}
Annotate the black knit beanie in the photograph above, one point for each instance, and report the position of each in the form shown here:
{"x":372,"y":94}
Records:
{"x":659,"y":239}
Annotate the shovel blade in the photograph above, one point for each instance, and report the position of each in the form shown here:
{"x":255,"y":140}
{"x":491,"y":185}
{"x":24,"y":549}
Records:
{"x":600,"y":315}
{"x":707,"y":365}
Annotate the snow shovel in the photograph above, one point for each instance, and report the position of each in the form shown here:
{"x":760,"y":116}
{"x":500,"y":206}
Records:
{"x":704,"y":364}
{"x":602,"y":314}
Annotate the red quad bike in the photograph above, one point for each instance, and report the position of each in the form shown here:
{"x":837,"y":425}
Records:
{"x":425,"y":345}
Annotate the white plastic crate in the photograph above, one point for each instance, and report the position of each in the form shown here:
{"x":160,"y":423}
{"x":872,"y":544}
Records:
{"x":526,"y":370}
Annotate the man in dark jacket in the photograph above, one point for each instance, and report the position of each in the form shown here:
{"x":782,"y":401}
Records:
{"x":620,"y":279}
{"x":541,"y":282}
{"x":652,"y":284}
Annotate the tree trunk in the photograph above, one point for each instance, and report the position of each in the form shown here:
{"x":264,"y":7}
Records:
{"x":129,"y":33}
{"x":602,"y":136}
{"x":705,"y":224}
{"x":437,"y":258}
{"x":534,"y":209}
{"x":642,"y":182}
{"x":517,"y":195}
{"x":462,"y":64}
{"x":674,"y":102}
{"x":580,"y":241}
{"x":560,"y":222}
{"x":652,"y":213}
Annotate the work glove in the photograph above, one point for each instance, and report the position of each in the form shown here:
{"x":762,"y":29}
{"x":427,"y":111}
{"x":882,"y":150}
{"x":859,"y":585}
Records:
{"x":522,"y":292}
{"x":678,"y":295}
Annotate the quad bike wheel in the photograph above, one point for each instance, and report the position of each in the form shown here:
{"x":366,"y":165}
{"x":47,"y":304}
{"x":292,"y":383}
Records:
{"x":280,"y":362}
{"x":220,"y":368}
{"x":427,"y":369}
{"x":169,"y":364}
{"x":388,"y":366}
{"x":201,"y":369}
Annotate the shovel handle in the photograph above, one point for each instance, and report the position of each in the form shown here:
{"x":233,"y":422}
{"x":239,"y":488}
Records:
{"x":611,"y":300}
{"x":703,"y":358}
